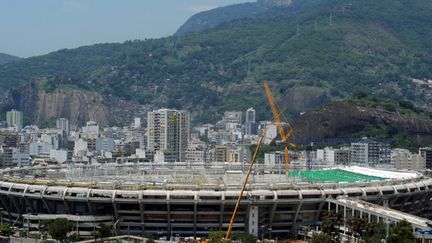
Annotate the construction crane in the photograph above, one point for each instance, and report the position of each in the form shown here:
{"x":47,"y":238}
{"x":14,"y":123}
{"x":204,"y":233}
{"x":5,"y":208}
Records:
{"x":285,"y":135}
{"x":228,"y":233}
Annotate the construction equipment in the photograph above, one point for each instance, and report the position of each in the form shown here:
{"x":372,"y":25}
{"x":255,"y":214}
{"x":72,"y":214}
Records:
{"x":284,"y":134}
{"x":227,"y":236}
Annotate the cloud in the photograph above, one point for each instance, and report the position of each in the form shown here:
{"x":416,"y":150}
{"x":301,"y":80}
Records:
{"x":199,"y":8}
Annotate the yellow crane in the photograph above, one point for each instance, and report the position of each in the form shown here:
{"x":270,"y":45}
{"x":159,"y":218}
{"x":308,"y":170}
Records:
{"x":228,"y":233}
{"x":285,"y":135}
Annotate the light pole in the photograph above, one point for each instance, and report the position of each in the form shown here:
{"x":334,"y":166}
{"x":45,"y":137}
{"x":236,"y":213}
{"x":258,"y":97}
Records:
{"x":262,"y":232}
{"x":171,"y":229}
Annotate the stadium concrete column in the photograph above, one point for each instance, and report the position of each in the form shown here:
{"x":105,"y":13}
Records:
{"x":222,"y":209}
{"x":345,"y":219}
{"x":45,"y":201}
{"x":294,"y":225}
{"x":114,"y":205}
{"x":195,"y":212}
{"x":63,"y":199}
{"x":141,"y":207}
{"x":253,"y":220}
{"x":273,"y":210}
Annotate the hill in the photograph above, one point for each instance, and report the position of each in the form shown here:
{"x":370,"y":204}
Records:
{"x":261,"y":9}
{"x":5,"y":58}
{"x":331,"y":51}
{"x":400,"y":122}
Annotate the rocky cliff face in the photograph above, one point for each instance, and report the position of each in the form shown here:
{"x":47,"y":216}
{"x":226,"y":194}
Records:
{"x":340,"y":119}
{"x":76,"y":105}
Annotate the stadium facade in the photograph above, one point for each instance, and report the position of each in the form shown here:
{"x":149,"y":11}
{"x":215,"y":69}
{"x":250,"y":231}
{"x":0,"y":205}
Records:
{"x":31,"y":196}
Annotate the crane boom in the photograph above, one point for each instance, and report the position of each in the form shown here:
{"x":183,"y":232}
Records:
{"x":274,"y":110}
{"x":285,"y":135}
{"x":228,"y":233}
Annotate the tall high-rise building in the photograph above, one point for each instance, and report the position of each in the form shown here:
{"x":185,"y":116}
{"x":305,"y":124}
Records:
{"x":250,"y":124}
{"x":168,"y":132}
{"x":250,"y":115}
{"x":369,"y":151}
{"x":63,"y":124}
{"x":14,"y":118}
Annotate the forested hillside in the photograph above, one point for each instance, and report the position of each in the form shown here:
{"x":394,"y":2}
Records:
{"x":331,"y":51}
{"x":5,"y":58}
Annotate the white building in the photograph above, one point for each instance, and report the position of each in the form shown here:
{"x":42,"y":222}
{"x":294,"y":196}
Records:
{"x":105,"y":145}
{"x":168,"y":131}
{"x":331,"y":157}
{"x":250,"y":123}
{"x":270,"y":129}
{"x":63,"y":125}
{"x":39,"y":148}
{"x":233,"y":117}
{"x":91,"y":130}
{"x":274,"y":158}
{"x":81,"y":147}
{"x":368,"y":151}
{"x":137,"y":122}
{"x":60,"y":156}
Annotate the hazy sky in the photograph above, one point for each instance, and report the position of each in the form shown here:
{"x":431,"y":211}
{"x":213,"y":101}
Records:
{"x":35,"y":27}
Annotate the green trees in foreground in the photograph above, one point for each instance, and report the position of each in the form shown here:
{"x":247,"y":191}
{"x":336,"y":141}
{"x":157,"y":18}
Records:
{"x":401,"y":233}
{"x":6,"y":230}
{"x":367,"y":232}
{"x":217,"y":236}
{"x":59,"y":229}
{"x":321,"y":238}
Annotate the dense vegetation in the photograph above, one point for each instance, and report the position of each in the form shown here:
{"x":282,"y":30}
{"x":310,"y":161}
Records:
{"x":5,"y":58}
{"x":335,"y":49}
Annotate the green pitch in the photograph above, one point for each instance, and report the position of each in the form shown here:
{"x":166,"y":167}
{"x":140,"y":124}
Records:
{"x":336,"y":175}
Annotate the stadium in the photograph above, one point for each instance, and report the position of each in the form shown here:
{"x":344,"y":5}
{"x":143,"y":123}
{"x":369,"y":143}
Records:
{"x":194,"y":199}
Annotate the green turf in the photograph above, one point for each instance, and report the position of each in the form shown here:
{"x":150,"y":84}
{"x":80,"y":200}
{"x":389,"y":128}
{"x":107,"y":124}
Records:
{"x":336,"y":175}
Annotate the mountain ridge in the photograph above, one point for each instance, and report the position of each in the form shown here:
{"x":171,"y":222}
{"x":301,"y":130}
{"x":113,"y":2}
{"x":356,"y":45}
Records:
{"x":261,"y":9}
{"x":329,"y":52}
{"x":5,"y":58}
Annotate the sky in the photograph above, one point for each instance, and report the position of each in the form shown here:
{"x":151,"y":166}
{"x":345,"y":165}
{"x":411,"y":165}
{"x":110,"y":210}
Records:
{"x":37,"y":27}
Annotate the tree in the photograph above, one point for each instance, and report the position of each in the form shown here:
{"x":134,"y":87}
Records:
{"x":321,"y":238}
{"x":6,"y":230}
{"x":244,"y":237}
{"x":59,"y":228}
{"x":378,"y":233}
{"x":330,"y":221}
{"x":216,"y":236}
{"x":73,"y":237}
{"x":401,"y":233}
{"x":103,"y":231}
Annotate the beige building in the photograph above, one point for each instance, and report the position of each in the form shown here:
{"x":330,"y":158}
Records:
{"x":14,"y":118}
{"x":404,"y":159}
